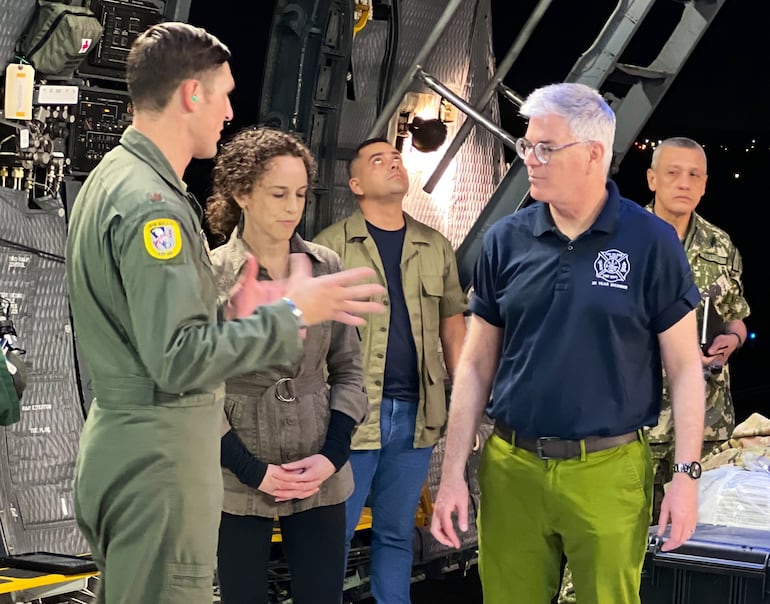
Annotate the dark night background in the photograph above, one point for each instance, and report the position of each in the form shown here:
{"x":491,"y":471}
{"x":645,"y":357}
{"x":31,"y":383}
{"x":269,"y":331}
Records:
{"x":719,"y":98}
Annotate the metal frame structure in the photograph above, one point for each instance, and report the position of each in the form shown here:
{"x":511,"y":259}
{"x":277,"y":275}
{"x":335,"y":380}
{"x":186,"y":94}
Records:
{"x":598,"y":66}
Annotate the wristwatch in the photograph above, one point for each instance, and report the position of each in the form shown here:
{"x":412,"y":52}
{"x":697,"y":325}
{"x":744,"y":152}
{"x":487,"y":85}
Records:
{"x":692,"y":469}
{"x":296,"y":313}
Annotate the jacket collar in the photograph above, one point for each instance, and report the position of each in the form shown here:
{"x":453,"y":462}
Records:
{"x":147,"y":151}
{"x":237,"y":249}
{"x":355,"y":228}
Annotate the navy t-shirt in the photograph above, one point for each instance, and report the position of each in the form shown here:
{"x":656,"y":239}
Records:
{"x":580,"y":353}
{"x":401,"y":380}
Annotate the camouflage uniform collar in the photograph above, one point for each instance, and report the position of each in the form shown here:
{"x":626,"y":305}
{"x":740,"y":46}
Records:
{"x":698,"y":229}
{"x":147,"y":151}
{"x":692,"y":227}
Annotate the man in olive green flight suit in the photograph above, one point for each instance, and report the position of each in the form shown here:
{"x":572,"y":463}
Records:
{"x":143,"y":297}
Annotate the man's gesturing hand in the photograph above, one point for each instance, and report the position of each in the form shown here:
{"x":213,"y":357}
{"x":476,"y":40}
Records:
{"x":248,"y":293}
{"x":342,"y":296}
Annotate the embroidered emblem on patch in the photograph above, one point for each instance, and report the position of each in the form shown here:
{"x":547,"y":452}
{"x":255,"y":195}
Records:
{"x":162,"y":238}
{"x":612,"y":266}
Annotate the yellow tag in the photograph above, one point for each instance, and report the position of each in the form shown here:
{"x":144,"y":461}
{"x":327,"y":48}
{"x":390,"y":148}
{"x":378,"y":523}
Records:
{"x":19,"y":86}
{"x":162,"y":238}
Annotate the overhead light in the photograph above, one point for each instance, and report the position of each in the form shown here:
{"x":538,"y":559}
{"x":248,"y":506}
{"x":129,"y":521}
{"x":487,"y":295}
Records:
{"x":427,"y":135}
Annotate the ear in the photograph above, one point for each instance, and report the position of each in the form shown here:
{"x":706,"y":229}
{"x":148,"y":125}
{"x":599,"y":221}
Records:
{"x":355,"y":186}
{"x":190,"y":91}
{"x":651,"y":179}
{"x":597,"y":152}
{"x":241,"y":201}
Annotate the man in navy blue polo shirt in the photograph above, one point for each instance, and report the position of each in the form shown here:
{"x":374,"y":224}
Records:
{"x":578,"y":303}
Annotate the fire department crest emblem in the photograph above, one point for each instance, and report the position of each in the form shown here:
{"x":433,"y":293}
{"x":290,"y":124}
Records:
{"x":612,"y":266}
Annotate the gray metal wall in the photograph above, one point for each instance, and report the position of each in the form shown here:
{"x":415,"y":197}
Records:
{"x":453,"y":207}
{"x":37,"y":454}
{"x":14,"y":15}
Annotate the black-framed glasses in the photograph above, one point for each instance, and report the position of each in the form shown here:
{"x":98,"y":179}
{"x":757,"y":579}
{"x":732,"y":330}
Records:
{"x":542,"y":151}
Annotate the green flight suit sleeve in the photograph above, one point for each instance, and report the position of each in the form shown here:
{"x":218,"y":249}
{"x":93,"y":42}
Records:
{"x":171,"y":295}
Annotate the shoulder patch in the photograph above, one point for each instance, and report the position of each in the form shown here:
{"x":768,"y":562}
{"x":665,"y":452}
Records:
{"x":162,"y":238}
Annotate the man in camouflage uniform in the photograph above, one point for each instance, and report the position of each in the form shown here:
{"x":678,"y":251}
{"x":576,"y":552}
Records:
{"x":677,"y":176}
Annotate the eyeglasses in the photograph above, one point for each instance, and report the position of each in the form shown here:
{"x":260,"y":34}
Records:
{"x":542,"y":151}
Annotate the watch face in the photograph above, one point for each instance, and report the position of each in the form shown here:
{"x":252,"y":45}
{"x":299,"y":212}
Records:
{"x":692,"y":469}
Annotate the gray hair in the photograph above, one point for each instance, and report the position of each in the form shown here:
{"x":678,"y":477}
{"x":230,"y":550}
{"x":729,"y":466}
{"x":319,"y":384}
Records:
{"x":679,"y":142}
{"x":588,"y":115}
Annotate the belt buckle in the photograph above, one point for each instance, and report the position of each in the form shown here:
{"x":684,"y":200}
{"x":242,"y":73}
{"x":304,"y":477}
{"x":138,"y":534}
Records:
{"x":287,"y":384}
{"x":539,"y":446}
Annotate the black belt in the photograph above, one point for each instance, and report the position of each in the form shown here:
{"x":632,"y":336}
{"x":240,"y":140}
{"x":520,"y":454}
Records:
{"x":552,"y":447}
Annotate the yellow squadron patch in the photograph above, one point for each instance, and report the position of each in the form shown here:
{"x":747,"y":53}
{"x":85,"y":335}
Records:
{"x":162,"y":238}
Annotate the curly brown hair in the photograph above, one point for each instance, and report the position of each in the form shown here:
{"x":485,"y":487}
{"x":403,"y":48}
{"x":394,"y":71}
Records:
{"x":241,"y":163}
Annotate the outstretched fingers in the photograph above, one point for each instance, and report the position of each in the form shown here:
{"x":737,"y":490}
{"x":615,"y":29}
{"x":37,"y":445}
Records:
{"x":351,"y":276}
{"x":364,"y":291}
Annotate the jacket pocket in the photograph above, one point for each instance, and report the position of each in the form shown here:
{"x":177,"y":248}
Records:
{"x":435,"y":388}
{"x":431,"y":292}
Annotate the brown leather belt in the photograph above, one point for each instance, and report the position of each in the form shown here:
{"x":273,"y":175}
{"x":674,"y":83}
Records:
{"x":551,"y":447}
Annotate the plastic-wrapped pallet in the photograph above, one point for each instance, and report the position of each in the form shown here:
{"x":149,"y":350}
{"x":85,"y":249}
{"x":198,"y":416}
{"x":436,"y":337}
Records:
{"x":736,"y":496}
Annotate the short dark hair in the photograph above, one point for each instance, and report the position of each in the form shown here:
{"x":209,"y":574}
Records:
{"x":241,"y":163}
{"x":165,"y":55}
{"x":679,"y":142}
{"x":366,"y":143}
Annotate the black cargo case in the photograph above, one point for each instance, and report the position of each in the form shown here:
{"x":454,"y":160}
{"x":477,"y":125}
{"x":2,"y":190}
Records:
{"x":718,"y":565}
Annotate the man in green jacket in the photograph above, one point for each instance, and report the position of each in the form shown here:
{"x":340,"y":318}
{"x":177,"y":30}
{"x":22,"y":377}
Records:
{"x":405,"y":377}
{"x":148,"y":484}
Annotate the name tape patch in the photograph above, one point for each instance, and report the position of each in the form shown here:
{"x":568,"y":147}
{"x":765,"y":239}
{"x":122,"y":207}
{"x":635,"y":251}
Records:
{"x":162,"y":238}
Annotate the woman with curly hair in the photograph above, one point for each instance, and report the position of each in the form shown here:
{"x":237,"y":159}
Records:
{"x":286,"y":453}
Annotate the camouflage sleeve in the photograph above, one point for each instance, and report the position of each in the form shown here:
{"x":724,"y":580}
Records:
{"x":734,"y":305}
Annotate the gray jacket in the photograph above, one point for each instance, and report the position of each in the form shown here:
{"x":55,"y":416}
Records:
{"x":259,"y":405}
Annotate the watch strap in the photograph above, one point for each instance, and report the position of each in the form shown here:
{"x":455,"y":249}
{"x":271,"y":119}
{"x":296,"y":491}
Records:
{"x":296,"y":313}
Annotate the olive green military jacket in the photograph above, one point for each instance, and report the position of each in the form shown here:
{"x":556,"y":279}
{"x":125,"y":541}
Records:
{"x":282,"y":413}
{"x":144,"y":302}
{"x":717,"y":269}
{"x":432,"y":291}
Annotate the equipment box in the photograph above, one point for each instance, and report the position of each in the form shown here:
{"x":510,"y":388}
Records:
{"x":718,"y":565}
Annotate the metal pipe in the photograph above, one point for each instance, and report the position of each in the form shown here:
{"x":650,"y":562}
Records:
{"x":488,"y":93}
{"x":458,"y":102}
{"x":395,"y":100}
{"x":511,"y":95}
